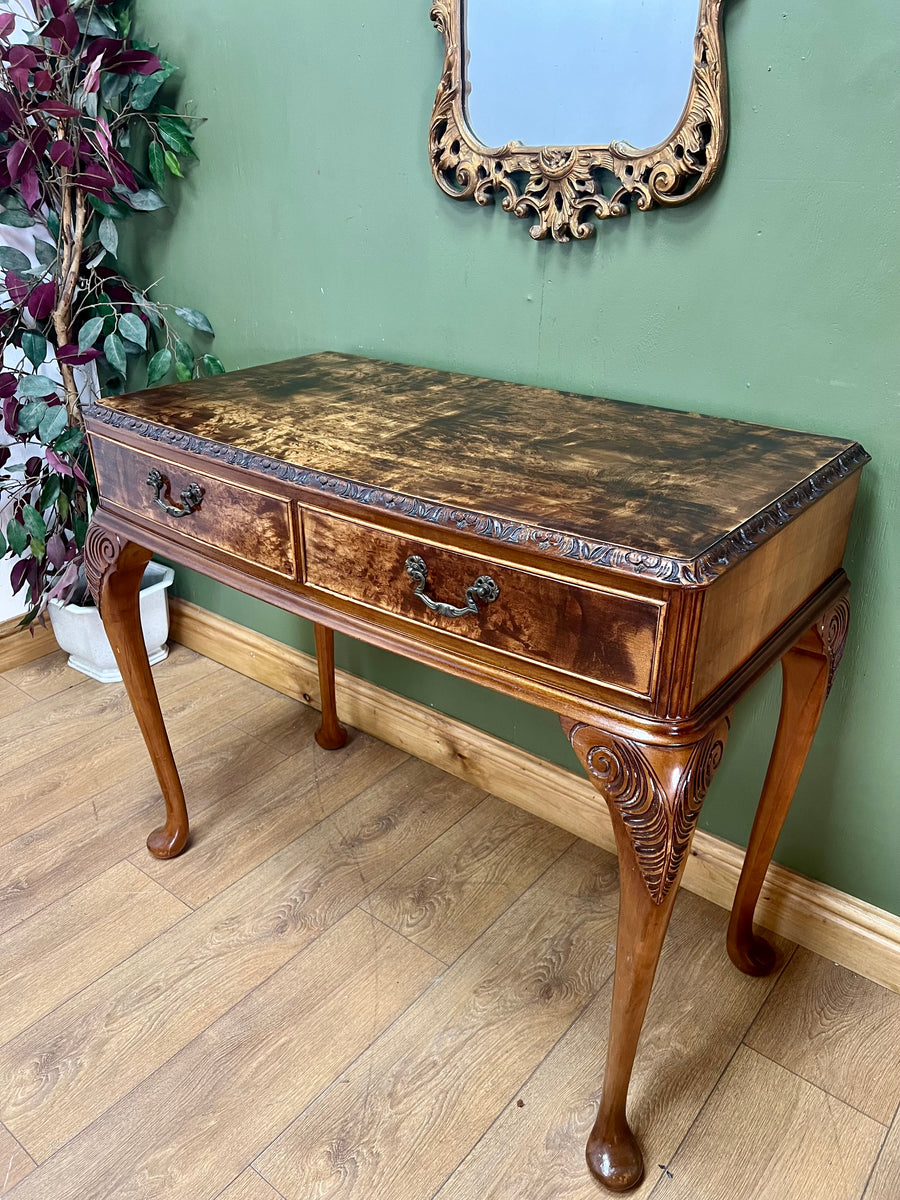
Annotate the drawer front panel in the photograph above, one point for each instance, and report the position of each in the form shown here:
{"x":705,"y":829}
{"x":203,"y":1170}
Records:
{"x":250,"y":525}
{"x":607,"y":637}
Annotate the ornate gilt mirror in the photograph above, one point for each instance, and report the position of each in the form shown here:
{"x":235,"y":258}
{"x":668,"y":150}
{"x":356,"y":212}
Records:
{"x":549,"y":103}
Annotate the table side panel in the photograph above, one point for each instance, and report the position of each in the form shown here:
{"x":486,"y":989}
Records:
{"x":745,"y":606}
{"x":590,"y":632}
{"x":241,"y":519}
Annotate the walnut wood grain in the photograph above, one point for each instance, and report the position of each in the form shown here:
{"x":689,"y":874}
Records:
{"x":243,"y":521}
{"x":808,"y":672}
{"x":598,"y":635}
{"x":114,"y":570}
{"x":645,"y":568}
{"x":654,"y":794}
{"x":331,"y":734}
{"x":644,"y":490}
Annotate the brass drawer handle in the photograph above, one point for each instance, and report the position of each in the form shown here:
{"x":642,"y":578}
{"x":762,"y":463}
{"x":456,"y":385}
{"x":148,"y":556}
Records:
{"x":483,"y":589}
{"x":191,"y":496}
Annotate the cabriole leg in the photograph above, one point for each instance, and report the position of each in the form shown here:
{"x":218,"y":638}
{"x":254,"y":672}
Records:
{"x":331,"y":735}
{"x":654,"y":794}
{"x":808,"y":671}
{"x":114,"y":569}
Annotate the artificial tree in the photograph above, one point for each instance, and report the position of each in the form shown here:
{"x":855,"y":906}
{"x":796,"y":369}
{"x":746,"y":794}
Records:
{"x":85,"y":143}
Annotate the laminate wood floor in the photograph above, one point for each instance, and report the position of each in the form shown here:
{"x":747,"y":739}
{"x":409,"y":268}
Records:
{"x":367,"y":980}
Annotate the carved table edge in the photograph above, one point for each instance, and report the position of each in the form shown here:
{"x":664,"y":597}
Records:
{"x":695,"y":572}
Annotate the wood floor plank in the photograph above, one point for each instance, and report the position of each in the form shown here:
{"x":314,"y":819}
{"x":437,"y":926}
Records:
{"x":282,"y":722}
{"x":186,"y":1131}
{"x":836,"y":1029}
{"x":82,"y":842}
{"x":249,"y":1186}
{"x":66,"y":1070}
{"x":15,"y":1164}
{"x":44,"y":677}
{"x":885,"y":1181}
{"x":36,"y":791}
{"x":789,"y":1141}
{"x":275,"y":808}
{"x":12,"y":699}
{"x":402,"y":1117}
{"x":535,"y":1149}
{"x":448,"y":895}
{"x":69,"y":944}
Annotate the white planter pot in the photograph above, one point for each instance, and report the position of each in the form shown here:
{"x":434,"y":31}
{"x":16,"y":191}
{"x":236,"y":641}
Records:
{"x":79,"y":630}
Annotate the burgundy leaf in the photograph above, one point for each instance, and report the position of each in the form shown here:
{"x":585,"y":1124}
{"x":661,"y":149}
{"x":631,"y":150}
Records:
{"x":31,"y":188}
{"x":73,"y":357}
{"x":11,"y":415}
{"x":7,"y":24}
{"x":122,"y":171}
{"x":4,"y":455}
{"x":21,"y":56}
{"x":17,"y":574}
{"x":56,"y":108}
{"x":10,"y":113}
{"x":19,"y":158}
{"x":17,"y":288}
{"x":40,"y":141}
{"x":34,"y":466}
{"x":56,"y":551}
{"x":57,"y":464}
{"x":62,"y":154}
{"x":41,"y":300}
{"x":140,"y":61}
{"x":59,"y":7}
{"x":79,"y":474}
{"x":44,"y":81}
{"x":7,"y":384}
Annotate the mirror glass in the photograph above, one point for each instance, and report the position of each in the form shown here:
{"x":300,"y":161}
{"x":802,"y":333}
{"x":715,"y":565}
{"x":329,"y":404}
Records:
{"x":578,"y":72}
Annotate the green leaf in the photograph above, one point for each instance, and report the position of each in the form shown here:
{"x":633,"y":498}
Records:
{"x":172,"y":163}
{"x":116,"y":211}
{"x":31,"y":416}
{"x":17,"y":537}
{"x":112,"y":86}
{"x":109,"y":236}
{"x":37,"y":385}
{"x":183,"y":373}
{"x":44,"y":252}
{"x":14,"y":260}
{"x":146,"y":200}
{"x":17,"y":218}
{"x":132,"y":327}
{"x":212,"y":365}
{"x":184,"y":353}
{"x":157,"y":161}
{"x":49,"y":492}
{"x":68,"y":441}
{"x":53,"y":225}
{"x":54,"y":421}
{"x":115,"y":352}
{"x":2,"y":546}
{"x":63,"y":507}
{"x":158,"y":367}
{"x":89,"y":333}
{"x":80,"y":527}
{"x":148,"y":85}
{"x":34,"y":522}
{"x":38,"y":547}
{"x":34,"y":346}
{"x":197,"y":320}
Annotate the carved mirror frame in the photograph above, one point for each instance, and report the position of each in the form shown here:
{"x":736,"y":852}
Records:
{"x":562,"y":187}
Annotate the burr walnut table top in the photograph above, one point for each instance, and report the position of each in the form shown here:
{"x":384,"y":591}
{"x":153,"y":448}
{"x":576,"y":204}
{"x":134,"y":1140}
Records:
{"x":632,"y":488}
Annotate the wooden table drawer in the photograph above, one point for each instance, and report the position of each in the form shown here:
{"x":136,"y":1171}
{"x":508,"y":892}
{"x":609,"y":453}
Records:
{"x":608,"y":637}
{"x":251,"y":525}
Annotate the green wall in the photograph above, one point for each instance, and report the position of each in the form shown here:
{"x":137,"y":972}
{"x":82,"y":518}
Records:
{"x":312,"y":222}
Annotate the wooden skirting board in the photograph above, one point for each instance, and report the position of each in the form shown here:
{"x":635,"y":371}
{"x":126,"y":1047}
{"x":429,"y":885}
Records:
{"x":19,"y":646}
{"x":848,"y":931}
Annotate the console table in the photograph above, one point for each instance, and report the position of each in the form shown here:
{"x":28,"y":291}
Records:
{"x":631,"y":568}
